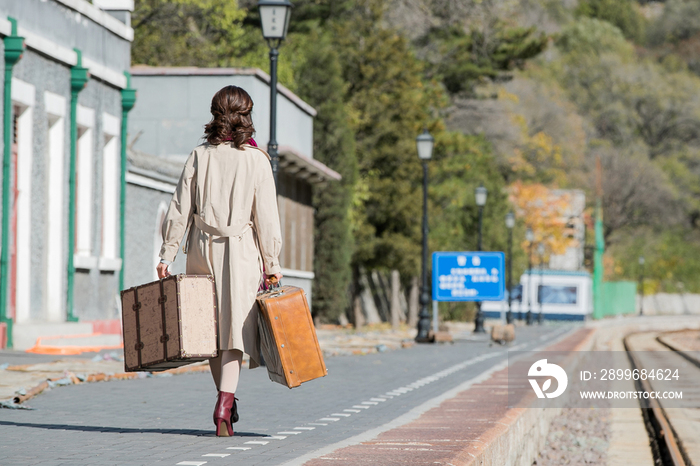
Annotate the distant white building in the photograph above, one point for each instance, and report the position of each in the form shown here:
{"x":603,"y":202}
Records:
{"x":559,"y":294}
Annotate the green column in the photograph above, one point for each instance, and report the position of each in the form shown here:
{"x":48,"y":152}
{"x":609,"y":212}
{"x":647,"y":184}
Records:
{"x":128,"y":101}
{"x":14,"y":46}
{"x":78,"y":80}
{"x":598,"y":269}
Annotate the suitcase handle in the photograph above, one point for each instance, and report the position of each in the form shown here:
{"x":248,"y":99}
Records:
{"x":275,"y":283}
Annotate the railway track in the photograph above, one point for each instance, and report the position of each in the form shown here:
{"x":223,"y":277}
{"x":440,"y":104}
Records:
{"x":673,"y":426}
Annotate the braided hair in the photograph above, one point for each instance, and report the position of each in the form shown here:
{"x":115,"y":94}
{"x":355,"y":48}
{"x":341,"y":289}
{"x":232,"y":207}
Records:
{"x":231,"y":121}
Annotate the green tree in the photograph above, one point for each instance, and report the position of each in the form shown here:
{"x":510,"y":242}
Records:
{"x":623,"y":14}
{"x":320,"y":83}
{"x":389,"y":103}
{"x":460,"y":164}
{"x":465,"y":59}
{"x":186,"y":32}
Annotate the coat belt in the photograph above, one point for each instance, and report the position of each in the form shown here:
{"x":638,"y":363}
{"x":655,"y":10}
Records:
{"x":230,"y":231}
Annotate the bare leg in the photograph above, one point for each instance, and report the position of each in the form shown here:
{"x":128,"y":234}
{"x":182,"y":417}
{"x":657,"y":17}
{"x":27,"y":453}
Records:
{"x":215,"y":367}
{"x":230,"y":370}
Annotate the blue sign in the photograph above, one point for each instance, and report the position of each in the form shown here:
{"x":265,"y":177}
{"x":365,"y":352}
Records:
{"x":468,"y":276}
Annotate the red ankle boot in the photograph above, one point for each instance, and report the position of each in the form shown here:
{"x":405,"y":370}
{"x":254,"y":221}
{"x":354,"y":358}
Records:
{"x":222,"y":414}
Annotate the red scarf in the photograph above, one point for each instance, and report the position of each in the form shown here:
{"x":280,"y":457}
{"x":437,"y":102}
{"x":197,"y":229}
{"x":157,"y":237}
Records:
{"x":251,"y":141}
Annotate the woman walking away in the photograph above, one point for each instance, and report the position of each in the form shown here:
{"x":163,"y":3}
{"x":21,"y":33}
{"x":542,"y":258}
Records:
{"x":226,"y":197}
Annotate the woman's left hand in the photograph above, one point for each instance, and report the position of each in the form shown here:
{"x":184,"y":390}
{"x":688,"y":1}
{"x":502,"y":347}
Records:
{"x":269,"y":279}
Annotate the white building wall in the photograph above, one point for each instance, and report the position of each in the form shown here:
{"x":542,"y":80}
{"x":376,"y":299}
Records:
{"x":83,"y":189}
{"x":109,"y":256}
{"x":54,"y":298}
{"x":172,"y":127}
{"x":23,"y":98}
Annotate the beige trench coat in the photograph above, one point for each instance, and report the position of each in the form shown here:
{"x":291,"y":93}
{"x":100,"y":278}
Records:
{"x":229,"y":196}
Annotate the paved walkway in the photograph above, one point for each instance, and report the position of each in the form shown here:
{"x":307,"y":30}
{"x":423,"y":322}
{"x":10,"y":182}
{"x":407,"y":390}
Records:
{"x":168,"y":420}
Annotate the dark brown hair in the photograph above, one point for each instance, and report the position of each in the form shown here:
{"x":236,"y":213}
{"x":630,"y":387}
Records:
{"x":231,"y":120}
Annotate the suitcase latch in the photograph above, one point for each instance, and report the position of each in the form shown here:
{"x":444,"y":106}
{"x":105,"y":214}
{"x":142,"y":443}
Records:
{"x":164,"y":338}
{"x":136,"y":307}
{"x":138,"y":346}
{"x":162,"y":299}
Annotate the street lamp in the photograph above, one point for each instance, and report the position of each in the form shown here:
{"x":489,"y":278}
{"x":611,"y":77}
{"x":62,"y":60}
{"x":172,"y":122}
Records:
{"x":530,"y":237}
{"x":641,"y":285}
{"x":480,"y":194}
{"x":424,"y":146}
{"x":274,"y":17}
{"x":540,"y":292}
{"x":510,"y":223}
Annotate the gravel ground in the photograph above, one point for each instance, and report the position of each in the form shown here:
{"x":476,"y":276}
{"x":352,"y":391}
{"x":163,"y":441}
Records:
{"x":688,"y":340}
{"x":579,"y":436}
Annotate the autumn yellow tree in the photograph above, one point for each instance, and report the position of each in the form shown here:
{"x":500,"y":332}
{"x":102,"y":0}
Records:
{"x":545,"y":211}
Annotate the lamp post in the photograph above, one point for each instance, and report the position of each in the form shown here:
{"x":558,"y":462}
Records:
{"x":641,"y":285}
{"x":530,"y":237}
{"x":274,"y":17}
{"x":480,"y":193}
{"x":424,"y":146}
{"x":510,"y":223}
{"x":541,"y":251}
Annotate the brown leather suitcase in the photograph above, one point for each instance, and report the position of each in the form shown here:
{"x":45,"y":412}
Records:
{"x":288,"y":338}
{"x":169,"y":323}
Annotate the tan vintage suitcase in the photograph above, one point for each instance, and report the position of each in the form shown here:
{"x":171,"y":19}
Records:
{"x":169,"y":323}
{"x":288,"y":338}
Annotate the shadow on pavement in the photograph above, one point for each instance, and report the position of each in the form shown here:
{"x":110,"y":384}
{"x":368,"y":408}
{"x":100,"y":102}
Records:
{"x":126,"y":430}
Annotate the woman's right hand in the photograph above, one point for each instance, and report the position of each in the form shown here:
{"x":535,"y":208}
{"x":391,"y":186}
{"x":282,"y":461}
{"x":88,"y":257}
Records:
{"x":162,"y":270}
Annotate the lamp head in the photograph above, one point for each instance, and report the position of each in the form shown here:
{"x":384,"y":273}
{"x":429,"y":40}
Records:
{"x":424,"y":144}
{"x":274,"y":17}
{"x":641,"y":260}
{"x":540,"y":249}
{"x":510,"y":220}
{"x":480,"y":194}
{"x":529,"y":235}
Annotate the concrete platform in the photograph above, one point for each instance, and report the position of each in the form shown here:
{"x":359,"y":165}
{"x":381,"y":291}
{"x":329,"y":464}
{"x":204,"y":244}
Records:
{"x":470,"y":425}
{"x":25,"y":335}
{"x":90,"y":335}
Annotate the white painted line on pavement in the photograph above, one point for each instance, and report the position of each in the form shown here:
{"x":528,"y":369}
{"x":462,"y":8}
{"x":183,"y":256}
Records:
{"x":277,"y":437}
{"x":360,"y":406}
{"x":317,"y":424}
{"x":238,"y":448}
{"x":416,"y":412}
{"x":191,"y":463}
{"x":256,"y":442}
{"x":352,"y":410}
{"x":304,"y":428}
{"x":377,"y":399}
{"x":289,"y":433}
{"x":342,"y":414}
{"x":370,"y":403}
{"x":218,"y":455}
{"x":329,"y":419}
